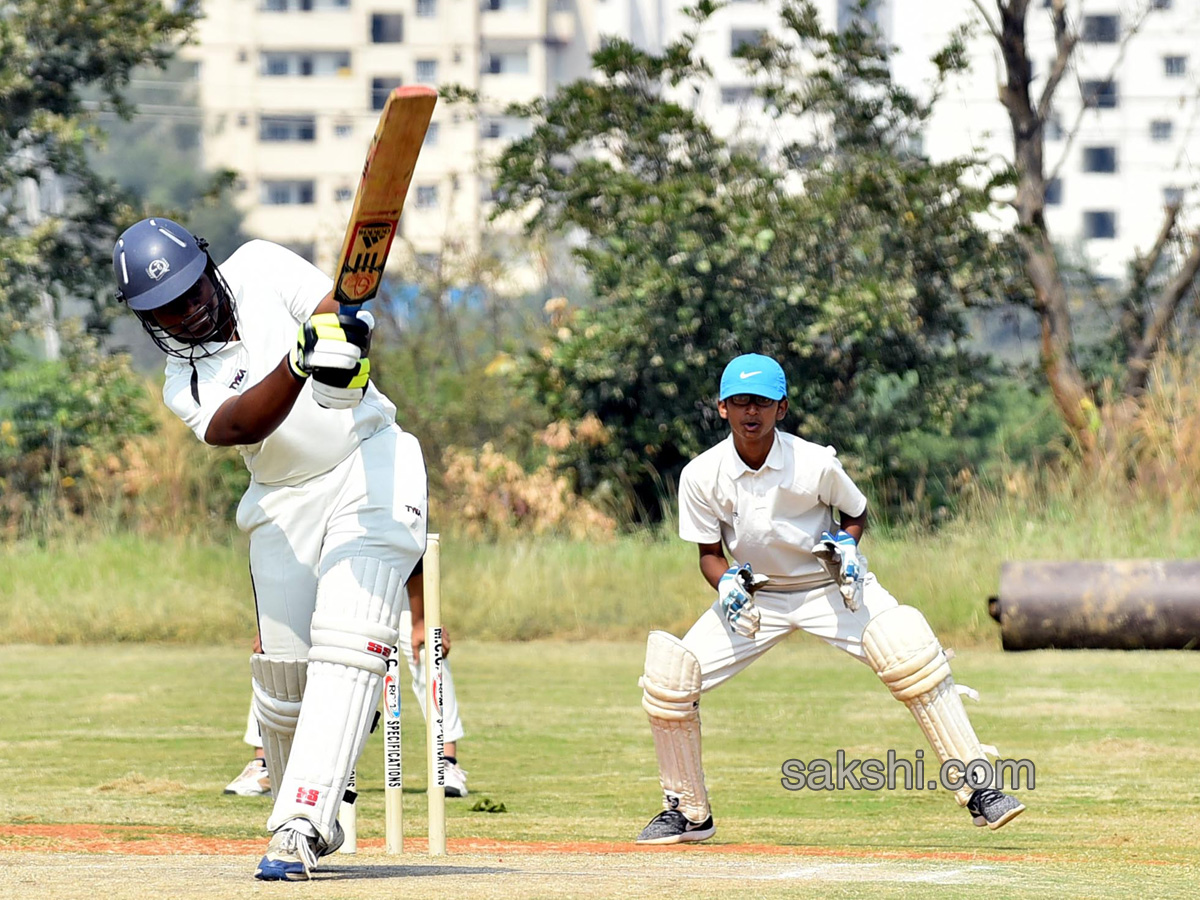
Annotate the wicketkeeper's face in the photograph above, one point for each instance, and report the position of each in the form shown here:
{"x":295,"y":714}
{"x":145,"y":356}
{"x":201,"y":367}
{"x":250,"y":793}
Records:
{"x":751,"y":417}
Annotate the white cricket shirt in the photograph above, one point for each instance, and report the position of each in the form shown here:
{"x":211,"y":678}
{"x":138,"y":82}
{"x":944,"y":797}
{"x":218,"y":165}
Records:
{"x":274,"y":290}
{"x":769,"y":518}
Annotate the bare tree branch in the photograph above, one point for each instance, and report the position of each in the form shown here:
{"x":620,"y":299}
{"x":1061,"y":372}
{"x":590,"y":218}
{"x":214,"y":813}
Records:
{"x":987,"y":19}
{"x":1137,"y":368}
{"x":1064,"y":45}
{"x":1145,"y":264}
{"x":1112,"y":74}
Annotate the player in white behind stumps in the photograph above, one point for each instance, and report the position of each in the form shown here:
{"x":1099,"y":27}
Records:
{"x":260,"y":358}
{"x":771,"y":499}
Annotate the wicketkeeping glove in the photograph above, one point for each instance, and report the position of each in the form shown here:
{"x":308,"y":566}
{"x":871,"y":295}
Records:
{"x":331,"y":341}
{"x":735,"y":591}
{"x":840,"y":556}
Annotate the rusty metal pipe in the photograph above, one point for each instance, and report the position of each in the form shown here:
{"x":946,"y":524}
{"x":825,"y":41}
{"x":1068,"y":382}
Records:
{"x":1126,"y":604}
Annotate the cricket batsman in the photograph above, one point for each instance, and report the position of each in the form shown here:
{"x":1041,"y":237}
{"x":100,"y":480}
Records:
{"x":258,"y":357}
{"x":792,"y":520}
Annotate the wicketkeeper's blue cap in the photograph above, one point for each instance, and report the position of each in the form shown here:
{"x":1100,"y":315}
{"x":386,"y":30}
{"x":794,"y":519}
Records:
{"x":753,"y":373}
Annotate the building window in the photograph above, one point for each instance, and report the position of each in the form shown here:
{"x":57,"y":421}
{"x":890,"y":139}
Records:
{"x":387,"y":28}
{"x":431,"y":135}
{"x":1099,"y":223}
{"x":286,"y":193}
{"x":426,"y":9}
{"x":1161,"y":130}
{"x":302,"y":5}
{"x":736,"y":95}
{"x":427,"y":71}
{"x":1100,"y":94}
{"x":1161,"y":4}
{"x":491,"y":130}
{"x":343,"y":194}
{"x":343,"y":129}
{"x":502,"y":5}
{"x":381,"y":89}
{"x":304,"y":63}
{"x":1173,"y":196}
{"x":427,"y":196}
{"x":1174,"y":66}
{"x":287,"y":128}
{"x":508,"y":63}
{"x":1099,"y":159}
{"x":1054,"y":191}
{"x":1101,"y":29}
{"x":742,"y":37}
{"x":1053,"y":126}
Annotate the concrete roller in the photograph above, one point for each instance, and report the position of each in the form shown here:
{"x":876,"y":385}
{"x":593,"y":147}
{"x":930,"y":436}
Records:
{"x":1125,"y":604}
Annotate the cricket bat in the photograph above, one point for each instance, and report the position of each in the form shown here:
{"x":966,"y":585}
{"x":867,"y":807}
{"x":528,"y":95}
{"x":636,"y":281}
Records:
{"x":387,"y":173}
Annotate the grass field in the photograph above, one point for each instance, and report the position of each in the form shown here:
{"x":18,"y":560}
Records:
{"x":140,"y":740}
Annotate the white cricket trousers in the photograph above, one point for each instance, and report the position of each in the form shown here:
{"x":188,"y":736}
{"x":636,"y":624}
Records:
{"x":373,"y":504}
{"x":820,"y":611}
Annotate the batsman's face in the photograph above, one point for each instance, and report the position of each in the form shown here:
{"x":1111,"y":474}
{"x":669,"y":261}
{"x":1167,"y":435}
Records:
{"x":751,"y":417}
{"x":191,"y":317}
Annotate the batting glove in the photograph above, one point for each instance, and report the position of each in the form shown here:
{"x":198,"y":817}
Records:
{"x":341,"y":388}
{"x":840,"y":556}
{"x":331,"y":341}
{"x":735,"y":591}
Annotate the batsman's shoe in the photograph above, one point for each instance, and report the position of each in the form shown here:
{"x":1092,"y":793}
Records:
{"x":672,"y":827}
{"x":323,"y":848}
{"x":291,"y":856}
{"x":456,"y":780}
{"x":253,"y":782}
{"x":993,"y":808}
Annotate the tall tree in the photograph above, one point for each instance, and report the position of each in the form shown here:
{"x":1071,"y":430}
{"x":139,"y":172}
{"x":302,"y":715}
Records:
{"x":1155,"y":291}
{"x":698,"y":251}
{"x":57,"y":216}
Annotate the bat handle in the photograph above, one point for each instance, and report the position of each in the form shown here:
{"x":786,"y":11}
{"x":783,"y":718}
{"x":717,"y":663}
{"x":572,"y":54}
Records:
{"x":363,"y":315}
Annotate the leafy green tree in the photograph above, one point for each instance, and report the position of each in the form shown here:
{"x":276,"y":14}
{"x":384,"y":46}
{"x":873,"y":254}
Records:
{"x":57,"y":247}
{"x":858,"y":282}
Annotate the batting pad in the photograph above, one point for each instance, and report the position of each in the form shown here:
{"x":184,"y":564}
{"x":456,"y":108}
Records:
{"x":278,"y":689}
{"x":353,"y":634}
{"x":906,"y":655}
{"x":671,"y":696}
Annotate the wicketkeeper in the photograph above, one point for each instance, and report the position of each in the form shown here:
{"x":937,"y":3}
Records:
{"x":259,"y":357}
{"x":792,"y":520}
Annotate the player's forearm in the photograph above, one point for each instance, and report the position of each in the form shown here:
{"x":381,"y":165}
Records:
{"x":416,"y":596}
{"x":252,"y":416}
{"x":853,"y":525}
{"x":713,"y":565}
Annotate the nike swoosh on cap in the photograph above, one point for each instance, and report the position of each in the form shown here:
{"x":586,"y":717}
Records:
{"x":744,"y":375}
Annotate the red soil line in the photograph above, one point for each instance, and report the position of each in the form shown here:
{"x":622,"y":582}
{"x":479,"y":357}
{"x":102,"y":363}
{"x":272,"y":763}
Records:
{"x":145,"y":841}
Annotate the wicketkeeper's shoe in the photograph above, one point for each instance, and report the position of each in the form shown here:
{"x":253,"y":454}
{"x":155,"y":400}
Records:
{"x":993,"y":808}
{"x":253,"y":782}
{"x":291,"y":856}
{"x":456,"y":780}
{"x":672,"y":827}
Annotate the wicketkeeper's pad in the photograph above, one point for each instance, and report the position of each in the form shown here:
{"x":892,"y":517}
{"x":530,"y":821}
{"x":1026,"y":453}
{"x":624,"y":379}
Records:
{"x":671,"y":697}
{"x":905,"y":653}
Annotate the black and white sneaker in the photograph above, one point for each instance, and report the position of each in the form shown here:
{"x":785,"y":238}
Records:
{"x":993,"y":808}
{"x":672,"y":827}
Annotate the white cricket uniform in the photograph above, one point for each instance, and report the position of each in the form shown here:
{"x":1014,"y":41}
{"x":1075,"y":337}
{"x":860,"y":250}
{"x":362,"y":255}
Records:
{"x":770,"y":518}
{"x":327,"y":484}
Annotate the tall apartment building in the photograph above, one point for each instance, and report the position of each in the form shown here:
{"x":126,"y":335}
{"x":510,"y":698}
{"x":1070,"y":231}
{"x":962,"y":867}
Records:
{"x":291,"y":92}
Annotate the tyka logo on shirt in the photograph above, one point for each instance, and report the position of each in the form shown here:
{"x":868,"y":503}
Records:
{"x":238,"y":379}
